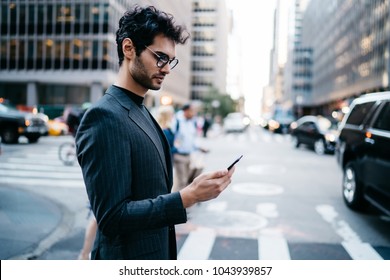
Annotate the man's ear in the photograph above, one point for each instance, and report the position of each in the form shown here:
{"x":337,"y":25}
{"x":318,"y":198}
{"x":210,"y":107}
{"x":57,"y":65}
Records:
{"x":128,"y":48}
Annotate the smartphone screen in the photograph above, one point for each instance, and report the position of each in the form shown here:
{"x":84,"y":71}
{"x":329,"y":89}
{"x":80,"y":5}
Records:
{"x":234,"y":162}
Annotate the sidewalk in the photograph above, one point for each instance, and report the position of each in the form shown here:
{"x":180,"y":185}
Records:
{"x":29,"y":223}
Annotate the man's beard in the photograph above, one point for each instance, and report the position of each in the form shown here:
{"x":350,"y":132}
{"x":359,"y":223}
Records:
{"x":140,"y":75}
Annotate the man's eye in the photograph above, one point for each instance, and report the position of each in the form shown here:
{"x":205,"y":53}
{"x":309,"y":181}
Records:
{"x":164,"y":57}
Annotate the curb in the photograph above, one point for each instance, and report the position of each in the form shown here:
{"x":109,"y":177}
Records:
{"x":63,"y":228}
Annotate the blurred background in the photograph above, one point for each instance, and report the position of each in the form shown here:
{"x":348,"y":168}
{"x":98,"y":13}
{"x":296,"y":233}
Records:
{"x":307,"y":57}
{"x":257,"y":71}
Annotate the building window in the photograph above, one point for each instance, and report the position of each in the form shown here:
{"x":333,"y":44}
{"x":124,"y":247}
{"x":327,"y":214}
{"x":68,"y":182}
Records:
{"x":3,"y":54}
{"x":49,"y":54}
{"x":30,"y":54}
{"x":57,"y":54}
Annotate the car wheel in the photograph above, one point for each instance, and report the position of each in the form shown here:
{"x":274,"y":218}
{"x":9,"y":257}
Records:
{"x":352,"y":188}
{"x":295,"y":141}
{"x":33,"y":139}
{"x":319,"y":147}
{"x":10,"y":136}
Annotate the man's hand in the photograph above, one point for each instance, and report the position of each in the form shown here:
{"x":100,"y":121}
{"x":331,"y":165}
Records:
{"x":206,"y":186}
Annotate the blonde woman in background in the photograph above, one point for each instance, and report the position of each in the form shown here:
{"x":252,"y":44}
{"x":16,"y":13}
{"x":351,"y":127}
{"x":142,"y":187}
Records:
{"x":165,"y":119}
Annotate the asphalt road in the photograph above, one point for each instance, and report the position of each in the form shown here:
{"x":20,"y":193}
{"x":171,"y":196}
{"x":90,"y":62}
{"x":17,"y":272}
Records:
{"x":283,"y":203}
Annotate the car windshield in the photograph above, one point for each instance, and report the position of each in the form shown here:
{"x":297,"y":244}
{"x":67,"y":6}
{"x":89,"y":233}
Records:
{"x":3,"y":108}
{"x":283,"y":115}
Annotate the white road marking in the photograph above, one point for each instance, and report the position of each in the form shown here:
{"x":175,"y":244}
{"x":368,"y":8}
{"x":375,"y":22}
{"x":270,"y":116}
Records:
{"x":273,"y":247}
{"x":37,"y":174}
{"x":198,"y":245}
{"x":38,"y":167}
{"x":43,"y":182}
{"x":352,"y":243}
{"x":218,"y":206}
{"x":268,"y":210}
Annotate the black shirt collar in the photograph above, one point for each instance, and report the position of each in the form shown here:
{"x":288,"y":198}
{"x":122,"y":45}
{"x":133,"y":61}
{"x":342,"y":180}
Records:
{"x":139,"y":100}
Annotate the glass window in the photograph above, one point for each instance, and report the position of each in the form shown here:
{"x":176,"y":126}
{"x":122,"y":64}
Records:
{"x":4,"y":12}
{"x":383,"y":120}
{"x":31,"y":14}
{"x":13,"y":48}
{"x":40,"y":19}
{"x":49,"y":53}
{"x":359,"y":112}
{"x":22,"y":54}
{"x":77,"y":44}
{"x":106,"y":55}
{"x":57,"y":54}
{"x":106,"y":11}
{"x":49,"y":19}
{"x":87,"y":12}
{"x":67,"y":54}
{"x":95,"y":54}
{"x":13,"y":20}
{"x":3,"y":54}
{"x":30,"y":54}
{"x":87,"y":54}
{"x":22,"y":19}
{"x":40,"y":55}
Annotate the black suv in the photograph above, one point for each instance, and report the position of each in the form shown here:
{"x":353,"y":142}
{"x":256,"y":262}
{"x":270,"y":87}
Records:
{"x":14,"y":123}
{"x":363,"y":152}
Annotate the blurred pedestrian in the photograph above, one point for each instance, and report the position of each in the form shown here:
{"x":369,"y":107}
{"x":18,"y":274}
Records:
{"x":206,"y":124}
{"x":74,"y":117}
{"x":89,"y":238}
{"x":186,"y":148}
{"x":124,"y":156}
{"x":165,"y":119}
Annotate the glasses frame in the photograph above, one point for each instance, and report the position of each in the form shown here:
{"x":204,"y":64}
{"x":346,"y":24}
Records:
{"x":164,"y":60}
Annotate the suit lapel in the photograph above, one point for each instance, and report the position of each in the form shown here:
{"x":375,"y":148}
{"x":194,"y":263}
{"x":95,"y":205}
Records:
{"x":136,"y":114}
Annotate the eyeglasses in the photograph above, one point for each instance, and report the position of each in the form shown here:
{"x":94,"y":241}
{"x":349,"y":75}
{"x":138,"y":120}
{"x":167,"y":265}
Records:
{"x":163,"y":60}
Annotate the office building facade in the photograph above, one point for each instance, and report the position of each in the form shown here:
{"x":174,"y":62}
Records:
{"x":56,"y":52}
{"x":351,"y":45}
{"x":210,"y":27}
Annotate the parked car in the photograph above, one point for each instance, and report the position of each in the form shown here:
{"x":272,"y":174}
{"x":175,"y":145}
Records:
{"x":235,"y":122}
{"x":14,"y":123}
{"x":363,"y":152}
{"x":317,"y":132}
{"x":280,"y":121}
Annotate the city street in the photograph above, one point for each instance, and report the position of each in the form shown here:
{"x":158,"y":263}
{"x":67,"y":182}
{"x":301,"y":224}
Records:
{"x":283,"y":203}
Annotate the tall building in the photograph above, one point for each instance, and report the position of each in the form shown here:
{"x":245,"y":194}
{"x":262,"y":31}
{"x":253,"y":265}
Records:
{"x":301,"y":59}
{"x":274,"y":94}
{"x":210,"y":27}
{"x":351,"y":45}
{"x":56,"y":52}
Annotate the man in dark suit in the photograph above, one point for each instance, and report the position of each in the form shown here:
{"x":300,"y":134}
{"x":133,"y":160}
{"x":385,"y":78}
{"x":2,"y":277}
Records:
{"x":124,"y":156}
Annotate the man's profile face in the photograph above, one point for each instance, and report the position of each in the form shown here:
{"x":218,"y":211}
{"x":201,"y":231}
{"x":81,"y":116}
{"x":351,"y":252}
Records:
{"x":144,"y":69}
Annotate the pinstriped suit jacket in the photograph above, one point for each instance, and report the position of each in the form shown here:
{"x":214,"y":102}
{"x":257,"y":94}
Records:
{"x":127,"y":170}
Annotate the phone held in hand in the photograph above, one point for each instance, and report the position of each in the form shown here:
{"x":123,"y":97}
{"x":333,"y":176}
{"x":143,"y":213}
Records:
{"x":234,"y":162}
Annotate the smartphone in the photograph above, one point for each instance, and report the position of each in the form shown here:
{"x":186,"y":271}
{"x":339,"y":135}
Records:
{"x":234,"y":162}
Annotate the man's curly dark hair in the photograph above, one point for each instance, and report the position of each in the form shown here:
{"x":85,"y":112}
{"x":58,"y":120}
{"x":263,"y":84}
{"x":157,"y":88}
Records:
{"x":142,"y":25}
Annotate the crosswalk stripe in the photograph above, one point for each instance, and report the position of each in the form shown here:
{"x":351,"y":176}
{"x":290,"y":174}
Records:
{"x":32,"y":166}
{"x":42,"y":182}
{"x":39,"y":167}
{"x":36,"y":174}
{"x":361,"y":251}
{"x":352,"y":243}
{"x":191,"y":249}
{"x":273,"y":248}
{"x":39,"y":161}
